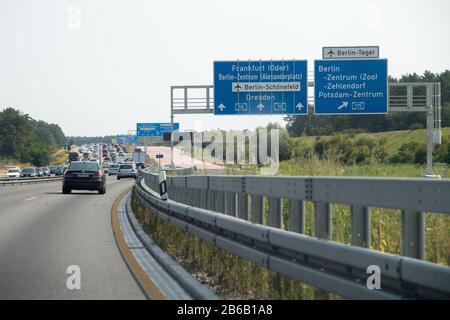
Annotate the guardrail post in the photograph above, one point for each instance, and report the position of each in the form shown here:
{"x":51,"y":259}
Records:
{"x":211,"y":199}
{"x":258,"y":209}
{"x":322,"y":230}
{"x":322,"y":221}
{"x":243,"y":206}
{"x":173,"y":194}
{"x":193,"y":197}
{"x":169,"y":187}
{"x":360,"y":217}
{"x":413,"y":244}
{"x":220,"y":202}
{"x":196,"y":197}
{"x":203,"y":199}
{"x":275,"y":217}
{"x":296,"y":221}
{"x":184,"y":196}
{"x":181,"y":196}
{"x":230,"y":204}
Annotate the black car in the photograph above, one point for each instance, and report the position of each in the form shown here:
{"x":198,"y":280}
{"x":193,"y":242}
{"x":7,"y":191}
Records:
{"x":39,"y":172}
{"x":84,"y":175}
{"x":60,"y":170}
{"x":74,"y":156}
{"x":140,"y":165}
{"x":29,"y":172}
{"x":45,"y":171}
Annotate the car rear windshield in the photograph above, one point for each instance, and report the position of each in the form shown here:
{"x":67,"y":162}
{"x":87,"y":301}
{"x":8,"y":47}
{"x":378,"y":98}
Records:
{"x":28,"y":170}
{"x":13,"y":170}
{"x":126,"y":166}
{"x":84,"y":166}
{"x":114,"y":166}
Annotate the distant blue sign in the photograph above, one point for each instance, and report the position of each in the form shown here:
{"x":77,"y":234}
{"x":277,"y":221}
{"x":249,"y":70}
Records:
{"x":155,"y":129}
{"x":260,"y":87}
{"x":121,"y":138}
{"x":350,"y":86}
{"x":133,"y":139}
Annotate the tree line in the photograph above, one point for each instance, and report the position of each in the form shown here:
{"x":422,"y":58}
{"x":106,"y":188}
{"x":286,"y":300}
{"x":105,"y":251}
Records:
{"x":28,"y":140}
{"x":327,"y":125}
{"x":85,"y":140}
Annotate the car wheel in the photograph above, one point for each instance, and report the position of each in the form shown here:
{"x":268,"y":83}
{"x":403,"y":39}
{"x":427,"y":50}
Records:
{"x":102,"y":190}
{"x":66,"y":190}
{"x":118,"y":178}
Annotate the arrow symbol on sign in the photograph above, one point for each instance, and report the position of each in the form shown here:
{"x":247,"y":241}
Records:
{"x":221,"y":107}
{"x":260,"y":106}
{"x":299,"y":106}
{"x":343,"y":105}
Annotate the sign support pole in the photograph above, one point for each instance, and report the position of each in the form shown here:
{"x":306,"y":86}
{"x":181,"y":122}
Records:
{"x":430,"y":126}
{"x":171,"y":129}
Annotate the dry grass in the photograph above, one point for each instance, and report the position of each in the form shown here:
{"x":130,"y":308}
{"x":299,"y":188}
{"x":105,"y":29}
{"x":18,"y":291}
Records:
{"x":58,"y":157}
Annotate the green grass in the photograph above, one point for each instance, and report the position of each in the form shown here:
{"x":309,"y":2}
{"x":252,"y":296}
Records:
{"x":394,"y":139}
{"x":317,"y":167}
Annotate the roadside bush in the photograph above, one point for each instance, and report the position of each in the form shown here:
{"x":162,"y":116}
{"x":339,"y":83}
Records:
{"x":406,"y":153}
{"x":302,"y":151}
{"x":286,"y":145}
{"x":412,"y":152}
{"x":354,"y":132}
{"x":421,"y":155}
{"x":416,"y":126}
{"x":442,"y":152}
{"x":344,"y":149}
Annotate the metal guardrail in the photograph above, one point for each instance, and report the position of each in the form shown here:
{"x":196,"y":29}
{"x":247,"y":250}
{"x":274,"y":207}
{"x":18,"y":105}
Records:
{"x":180,"y":276}
{"x":171,"y":171}
{"x":13,"y":181}
{"x":228,"y":211}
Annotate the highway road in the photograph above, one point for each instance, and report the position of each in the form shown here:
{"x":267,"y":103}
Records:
{"x":180,"y":159}
{"x":42,"y":232}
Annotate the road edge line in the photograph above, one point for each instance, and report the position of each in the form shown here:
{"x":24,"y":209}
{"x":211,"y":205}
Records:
{"x":147,"y":285}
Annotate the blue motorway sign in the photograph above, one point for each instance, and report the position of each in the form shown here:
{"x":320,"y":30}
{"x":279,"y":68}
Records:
{"x":260,"y":87}
{"x":121,"y":138}
{"x":351,"y":86}
{"x":133,"y":139}
{"x":155,"y":129}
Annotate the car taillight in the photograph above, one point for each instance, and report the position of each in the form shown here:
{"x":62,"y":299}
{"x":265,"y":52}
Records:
{"x":68,"y":174}
{"x":97,"y":174}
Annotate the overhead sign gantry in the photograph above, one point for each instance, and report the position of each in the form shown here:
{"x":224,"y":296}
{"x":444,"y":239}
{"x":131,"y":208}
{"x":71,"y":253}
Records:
{"x":260,"y":87}
{"x":155,"y":129}
{"x":349,"y":80}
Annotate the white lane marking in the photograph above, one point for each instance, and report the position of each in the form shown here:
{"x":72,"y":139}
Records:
{"x":30,"y":199}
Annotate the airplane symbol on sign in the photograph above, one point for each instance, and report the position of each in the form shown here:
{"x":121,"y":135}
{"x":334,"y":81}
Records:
{"x":237,"y":87}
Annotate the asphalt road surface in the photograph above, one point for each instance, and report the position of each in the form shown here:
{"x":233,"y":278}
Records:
{"x":43,"y":232}
{"x":180,"y":159}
